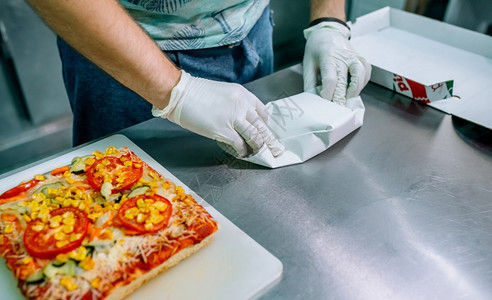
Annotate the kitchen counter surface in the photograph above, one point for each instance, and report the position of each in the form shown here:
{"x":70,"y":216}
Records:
{"x":399,"y":209}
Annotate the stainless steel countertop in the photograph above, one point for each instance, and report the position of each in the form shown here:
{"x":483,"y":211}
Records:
{"x":399,"y":209}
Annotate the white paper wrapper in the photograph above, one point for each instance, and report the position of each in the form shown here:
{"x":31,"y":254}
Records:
{"x":307,"y":125}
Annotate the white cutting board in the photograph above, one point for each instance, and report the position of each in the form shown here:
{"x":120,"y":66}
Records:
{"x":232,"y":266}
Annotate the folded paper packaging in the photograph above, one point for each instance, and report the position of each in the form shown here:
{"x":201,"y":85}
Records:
{"x":307,"y":125}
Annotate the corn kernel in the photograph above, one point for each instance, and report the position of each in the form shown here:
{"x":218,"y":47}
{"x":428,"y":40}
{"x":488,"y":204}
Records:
{"x":67,"y":202}
{"x":79,"y":254}
{"x":153,"y":185}
{"x":61,"y":243}
{"x":97,"y":207}
{"x":56,"y":218}
{"x":38,"y":197}
{"x":39,"y":177}
{"x":67,"y":174}
{"x":128,"y":163}
{"x":157,"y":219}
{"x":109,"y":150}
{"x":67,"y":214}
{"x":38,"y":227}
{"x":69,"y":221}
{"x":106,"y":235}
{"x":96,"y":282}
{"x":54,"y":206}
{"x":137,"y":165}
{"x":93,"y":217}
{"x":140,"y":218}
{"x":33,"y":205}
{"x":53,"y":192}
{"x":70,"y":180}
{"x":97,"y":154}
{"x":44,"y":209}
{"x":140,"y":203}
{"x":123,"y":198}
{"x":75,"y":236}
{"x":8,"y":228}
{"x":161,"y":206}
{"x":62,"y":257}
{"x":34,"y":215}
{"x":54,"y":224}
{"x":129,"y":216}
{"x":134,"y":211}
{"x":27,"y":218}
{"x":27,"y":260}
{"x":89,"y":161}
{"x":68,"y":283}
{"x":67,"y":228}
{"x":59,"y":235}
{"x":149,"y":226}
{"x":153,"y":211}
{"x":87,"y":264}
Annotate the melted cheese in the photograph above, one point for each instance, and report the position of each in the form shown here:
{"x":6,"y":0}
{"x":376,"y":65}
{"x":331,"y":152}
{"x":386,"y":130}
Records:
{"x":114,"y":258}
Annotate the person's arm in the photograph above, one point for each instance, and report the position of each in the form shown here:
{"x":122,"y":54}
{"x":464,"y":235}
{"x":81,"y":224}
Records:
{"x":329,"y":55}
{"x":328,"y":8}
{"x":103,"y":32}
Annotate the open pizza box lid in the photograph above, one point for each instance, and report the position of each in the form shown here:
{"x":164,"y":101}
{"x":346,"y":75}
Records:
{"x":448,"y":67}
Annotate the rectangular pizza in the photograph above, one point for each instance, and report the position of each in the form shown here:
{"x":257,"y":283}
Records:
{"x":98,"y":227}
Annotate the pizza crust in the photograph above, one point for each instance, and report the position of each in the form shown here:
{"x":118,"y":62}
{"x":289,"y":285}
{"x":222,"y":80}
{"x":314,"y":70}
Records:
{"x":123,"y":291}
{"x":102,"y":277}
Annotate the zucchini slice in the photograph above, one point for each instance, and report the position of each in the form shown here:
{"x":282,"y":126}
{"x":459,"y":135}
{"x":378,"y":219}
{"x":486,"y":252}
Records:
{"x":44,"y":189}
{"x":54,"y":268}
{"x":138,"y":191}
{"x":78,"y":164}
{"x":37,"y":277}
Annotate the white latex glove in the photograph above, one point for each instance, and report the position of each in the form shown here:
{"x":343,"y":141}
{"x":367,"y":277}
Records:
{"x":329,"y":54}
{"x":225,"y":112}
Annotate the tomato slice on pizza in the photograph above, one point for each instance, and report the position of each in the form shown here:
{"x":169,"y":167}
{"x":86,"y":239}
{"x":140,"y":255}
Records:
{"x":121,"y":172}
{"x":62,"y":232}
{"x":98,"y":228}
{"x":145,"y":214}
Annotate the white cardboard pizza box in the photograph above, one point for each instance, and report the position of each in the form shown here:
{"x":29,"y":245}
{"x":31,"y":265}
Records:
{"x":232,"y":266}
{"x":428,"y":60}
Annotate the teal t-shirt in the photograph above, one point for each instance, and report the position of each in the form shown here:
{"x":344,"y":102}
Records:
{"x":195,"y":24}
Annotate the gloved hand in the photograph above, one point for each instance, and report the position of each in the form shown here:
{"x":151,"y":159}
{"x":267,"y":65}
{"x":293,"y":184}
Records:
{"x":328,"y":53}
{"x":225,"y":112}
